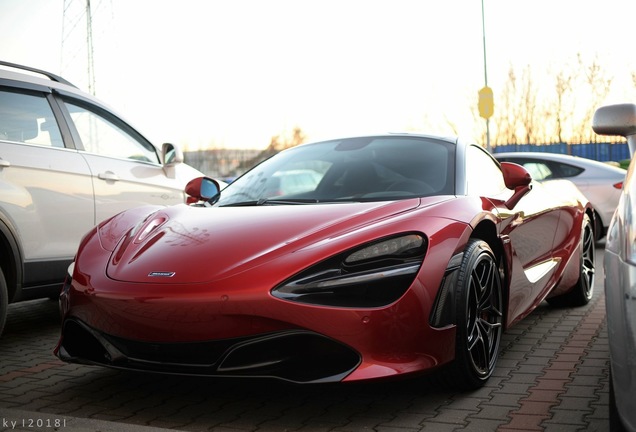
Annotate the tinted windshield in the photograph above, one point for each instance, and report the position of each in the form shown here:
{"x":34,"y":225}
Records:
{"x":352,"y":169}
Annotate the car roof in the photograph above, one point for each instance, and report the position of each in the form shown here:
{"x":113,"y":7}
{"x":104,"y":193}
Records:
{"x":25,"y":77}
{"x":448,"y":138}
{"x":34,"y":72}
{"x":573,"y":160}
{"x":25,"y":74}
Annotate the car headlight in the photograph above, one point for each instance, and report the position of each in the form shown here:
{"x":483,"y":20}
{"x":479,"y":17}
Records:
{"x":373,"y":275}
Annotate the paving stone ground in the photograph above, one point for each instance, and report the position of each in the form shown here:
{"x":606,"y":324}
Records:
{"x":552,"y":376}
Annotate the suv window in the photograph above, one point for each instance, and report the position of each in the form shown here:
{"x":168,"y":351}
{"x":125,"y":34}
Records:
{"x":102,"y":137}
{"x":27,"y":118}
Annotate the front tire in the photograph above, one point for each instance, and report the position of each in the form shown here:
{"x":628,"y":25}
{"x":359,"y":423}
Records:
{"x":479,"y":316}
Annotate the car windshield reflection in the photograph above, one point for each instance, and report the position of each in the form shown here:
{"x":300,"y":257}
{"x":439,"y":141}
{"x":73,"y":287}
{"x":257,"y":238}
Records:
{"x":371,"y":169}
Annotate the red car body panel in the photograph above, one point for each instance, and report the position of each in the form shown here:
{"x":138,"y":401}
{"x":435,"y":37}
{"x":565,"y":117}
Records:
{"x":228,"y":242}
{"x":142,"y":307}
{"x":185,"y":274}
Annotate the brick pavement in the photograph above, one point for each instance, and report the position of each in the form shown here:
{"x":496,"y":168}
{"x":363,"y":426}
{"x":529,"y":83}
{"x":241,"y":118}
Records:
{"x":552,"y":376}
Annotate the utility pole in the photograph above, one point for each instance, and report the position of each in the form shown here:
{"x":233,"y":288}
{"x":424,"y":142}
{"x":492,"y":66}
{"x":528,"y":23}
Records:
{"x":486,"y":98}
{"x":89,"y":48}
{"x":75,"y":14}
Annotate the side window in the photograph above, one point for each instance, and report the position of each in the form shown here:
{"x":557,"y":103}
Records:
{"x":27,"y":118}
{"x":569,"y":170}
{"x":538,"y":170}
{"x":102,"y":137}
{"x":483,"y":175}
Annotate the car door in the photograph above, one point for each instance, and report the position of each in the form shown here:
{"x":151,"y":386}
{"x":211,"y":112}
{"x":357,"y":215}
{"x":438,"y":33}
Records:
{"x":530,"y":226}
{"x":126,"y":168}
{"x":47,"y":192}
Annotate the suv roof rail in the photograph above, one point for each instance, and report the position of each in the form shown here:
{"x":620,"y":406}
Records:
{"x":49,"y":75}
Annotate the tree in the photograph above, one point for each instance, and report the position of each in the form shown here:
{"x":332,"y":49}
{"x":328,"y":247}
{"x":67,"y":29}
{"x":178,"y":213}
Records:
{"x":508,"y":114}
{"x":276,"y":144}
{"x":563,"y":98}
{"x":562,"y":113}
{"x":530,"y":124}
{"x":599,"y":87}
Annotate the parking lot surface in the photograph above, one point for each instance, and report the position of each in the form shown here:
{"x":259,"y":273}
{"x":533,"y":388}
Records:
{"x":552,"y":375}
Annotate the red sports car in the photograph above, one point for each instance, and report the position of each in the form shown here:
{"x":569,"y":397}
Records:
{"x":350,"y":259}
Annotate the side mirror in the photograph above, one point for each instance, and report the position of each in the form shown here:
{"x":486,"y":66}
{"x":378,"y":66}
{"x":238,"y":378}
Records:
{"x":201,"y":189}
{"x":515,"y":175}
{"x":517,"y":178}
{"x":171,"y":154}
{"x":617,"y":119}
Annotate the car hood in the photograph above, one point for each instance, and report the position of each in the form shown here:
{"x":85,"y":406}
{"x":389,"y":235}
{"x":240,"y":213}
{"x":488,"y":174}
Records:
{"x":183,"y":244}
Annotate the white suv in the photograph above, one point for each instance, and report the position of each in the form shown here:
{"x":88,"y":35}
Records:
{"x":67,"y":162}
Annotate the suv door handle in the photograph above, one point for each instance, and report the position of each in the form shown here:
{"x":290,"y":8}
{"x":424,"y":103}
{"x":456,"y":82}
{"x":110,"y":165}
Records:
{"x":108,"y":175}
{"x":4,"y":163}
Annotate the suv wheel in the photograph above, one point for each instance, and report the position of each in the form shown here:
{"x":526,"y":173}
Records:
{"x":4,"y":301}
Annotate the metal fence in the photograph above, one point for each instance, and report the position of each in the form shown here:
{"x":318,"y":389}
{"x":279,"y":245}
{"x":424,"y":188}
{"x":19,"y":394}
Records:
{"x":603,"y":152}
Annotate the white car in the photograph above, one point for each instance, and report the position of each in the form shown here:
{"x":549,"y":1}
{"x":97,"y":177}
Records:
{"x":67,"y":162}
{"x":292,"y":182}
{"x":600,"y":182}
{"x":620,"y":275}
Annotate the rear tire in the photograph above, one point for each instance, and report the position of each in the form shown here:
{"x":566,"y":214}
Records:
{"x":583,"y":290}
{"x":599,"y":229}
{"x":479,"y":315}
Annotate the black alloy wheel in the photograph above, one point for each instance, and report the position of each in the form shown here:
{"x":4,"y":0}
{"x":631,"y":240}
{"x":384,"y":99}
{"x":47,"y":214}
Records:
{"x":588,"y":257}
{"x":479,"y":314}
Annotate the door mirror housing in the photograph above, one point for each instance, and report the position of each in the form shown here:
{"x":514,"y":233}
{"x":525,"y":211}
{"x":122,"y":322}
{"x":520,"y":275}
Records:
{"x":515,"y":175}
{"x":619,"y":119}
{"x":518,"y":179}
{"x":202,"y":189}
{"x":171,"y":154}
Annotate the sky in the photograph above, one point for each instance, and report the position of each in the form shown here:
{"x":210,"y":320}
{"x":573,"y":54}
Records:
{"x":235,"y":73}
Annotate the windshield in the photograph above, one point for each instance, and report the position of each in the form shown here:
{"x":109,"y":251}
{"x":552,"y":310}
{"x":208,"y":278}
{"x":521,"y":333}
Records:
{"x":353,"y":169}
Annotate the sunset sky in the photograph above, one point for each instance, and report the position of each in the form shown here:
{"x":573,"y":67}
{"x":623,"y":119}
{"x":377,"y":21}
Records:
{"x":234,"y":73}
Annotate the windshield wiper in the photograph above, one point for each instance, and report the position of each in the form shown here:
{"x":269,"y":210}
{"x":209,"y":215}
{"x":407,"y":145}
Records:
{"x":268,"y":201}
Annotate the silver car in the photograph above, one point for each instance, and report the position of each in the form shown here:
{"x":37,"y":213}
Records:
{"x":67,"y":162}
{"x":600,"y":182}
{"x":620,"y":275}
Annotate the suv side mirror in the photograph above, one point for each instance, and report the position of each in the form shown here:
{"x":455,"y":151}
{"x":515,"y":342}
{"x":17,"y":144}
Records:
{"x":617,"y":119}
{"x":171,"y":154}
